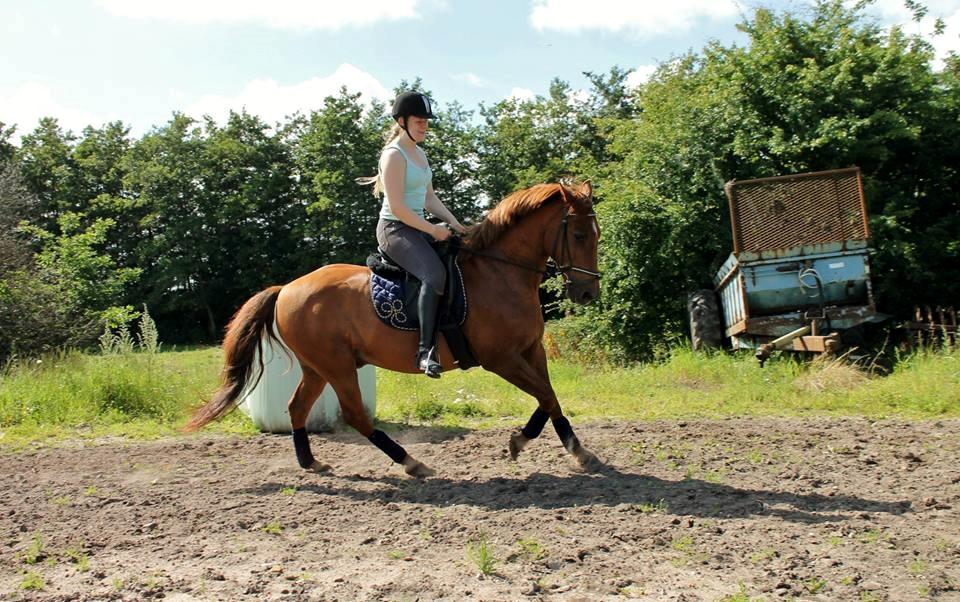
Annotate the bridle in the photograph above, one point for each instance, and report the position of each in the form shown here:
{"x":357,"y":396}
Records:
{"x":562,"y":243}
{"x":561,"y":258}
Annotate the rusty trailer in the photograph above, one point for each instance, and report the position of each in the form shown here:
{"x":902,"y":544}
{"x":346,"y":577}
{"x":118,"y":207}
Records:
{"x":799,"y":273}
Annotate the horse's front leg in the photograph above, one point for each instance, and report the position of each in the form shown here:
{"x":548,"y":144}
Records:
{"x":528,"y":371}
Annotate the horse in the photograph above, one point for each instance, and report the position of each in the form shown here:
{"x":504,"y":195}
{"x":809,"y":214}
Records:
{"x":326,"y":318}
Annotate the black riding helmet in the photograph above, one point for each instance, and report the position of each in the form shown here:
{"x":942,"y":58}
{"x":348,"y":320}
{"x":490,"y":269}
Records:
{"x":414,"y":104}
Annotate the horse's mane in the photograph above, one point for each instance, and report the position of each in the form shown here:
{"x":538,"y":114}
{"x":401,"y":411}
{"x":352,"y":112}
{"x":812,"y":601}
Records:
{"x":517,"y":205}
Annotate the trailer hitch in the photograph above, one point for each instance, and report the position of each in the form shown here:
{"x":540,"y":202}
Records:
{"x":805,"y":338}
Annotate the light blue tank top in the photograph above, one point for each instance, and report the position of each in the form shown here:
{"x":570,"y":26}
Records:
{"x":415,"y":183}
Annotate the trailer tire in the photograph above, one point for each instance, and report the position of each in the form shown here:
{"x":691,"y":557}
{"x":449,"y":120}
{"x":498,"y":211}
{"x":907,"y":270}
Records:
{"x":705,"y":328}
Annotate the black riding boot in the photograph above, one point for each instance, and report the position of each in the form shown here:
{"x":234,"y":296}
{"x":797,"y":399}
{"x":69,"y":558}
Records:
{"x":427,"y":305}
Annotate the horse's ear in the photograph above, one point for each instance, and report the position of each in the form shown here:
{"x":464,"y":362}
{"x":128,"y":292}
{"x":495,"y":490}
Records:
{"x":565,"y":194}
{"x":586,"y":191}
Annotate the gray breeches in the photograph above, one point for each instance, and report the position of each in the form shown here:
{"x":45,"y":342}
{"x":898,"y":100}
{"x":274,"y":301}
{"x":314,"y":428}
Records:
{"x":411,"y":249}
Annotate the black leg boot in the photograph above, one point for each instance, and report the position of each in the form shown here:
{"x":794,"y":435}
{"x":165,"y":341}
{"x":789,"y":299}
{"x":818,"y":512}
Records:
{"x":427,"y":304}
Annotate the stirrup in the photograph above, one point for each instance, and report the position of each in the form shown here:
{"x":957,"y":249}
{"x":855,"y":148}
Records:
{"x":429,"y":366}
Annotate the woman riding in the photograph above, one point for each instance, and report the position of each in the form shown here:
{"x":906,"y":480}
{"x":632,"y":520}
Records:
{"x":403,"y":233}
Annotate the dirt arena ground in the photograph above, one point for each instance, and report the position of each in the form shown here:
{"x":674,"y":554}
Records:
{"x":758,"y":509}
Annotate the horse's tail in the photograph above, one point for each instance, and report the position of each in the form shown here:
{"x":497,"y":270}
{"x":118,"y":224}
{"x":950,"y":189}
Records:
{"x":240,"y":346}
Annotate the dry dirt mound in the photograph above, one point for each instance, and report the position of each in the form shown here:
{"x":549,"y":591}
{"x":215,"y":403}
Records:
{"x":819,"y":509}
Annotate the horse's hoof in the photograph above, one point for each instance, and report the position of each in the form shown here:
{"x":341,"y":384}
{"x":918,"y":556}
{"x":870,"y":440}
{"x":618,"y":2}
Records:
{"x":517,"y":442}
{"x":320,"y":467}
{"x":418,"y":469}
{"x":588,"y":461}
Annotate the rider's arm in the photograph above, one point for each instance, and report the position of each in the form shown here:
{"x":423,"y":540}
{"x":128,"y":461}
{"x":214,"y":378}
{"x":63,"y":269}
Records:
{"x":393,"y":169}
{"x":435,"y":206}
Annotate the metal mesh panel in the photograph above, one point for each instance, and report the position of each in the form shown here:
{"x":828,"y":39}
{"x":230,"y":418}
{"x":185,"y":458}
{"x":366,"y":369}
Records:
{"x":804,"y":209}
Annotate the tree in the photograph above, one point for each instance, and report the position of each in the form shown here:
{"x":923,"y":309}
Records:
{"x":452,"y":149}
{"x":48,"y":169}
{"x":216,"y":211}
{"x":66,"y":295}
{"x":828,"y":91}
{"x":336,"y":145}
{"x":7,"y":150}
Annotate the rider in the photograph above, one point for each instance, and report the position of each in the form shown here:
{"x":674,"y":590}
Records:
{"x":404,"y":234}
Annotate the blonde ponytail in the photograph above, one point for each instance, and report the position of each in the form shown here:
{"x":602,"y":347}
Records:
{"x":389,"y":136}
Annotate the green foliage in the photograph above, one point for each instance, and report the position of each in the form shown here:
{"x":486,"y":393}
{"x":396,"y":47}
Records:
{"x":7,"y":150}
{"x":273,"y":528}
{"x":332,"y":148}
{"x":34,"y":552}
{"x":217,"y":212}
{"x":531,"y":549}
{"x":451,"y":148}
{"x":32,"y":581}
{"x":682,"y":384}
{"x":64,"y":295}
{"x":144,"y":395}
{"x":824,"y":91}
{"x":70,"y":390}
{"x":480,"y":552}
{"x":194,"y":217}
{"x":44,"y":158}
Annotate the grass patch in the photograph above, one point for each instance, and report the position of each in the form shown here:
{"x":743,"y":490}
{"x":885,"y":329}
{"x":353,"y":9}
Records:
{"x":70,"y":395}
{"x":531,"y":549}
{"x":34,"y":552}
{"x":686,"y":385}
{"x":136,"y":395}
{"x":79,"y":558}
{"x":32,"y":581}
{"x":480,"y":552}
{"x":649,"y":508}
{"x":273,"y":528}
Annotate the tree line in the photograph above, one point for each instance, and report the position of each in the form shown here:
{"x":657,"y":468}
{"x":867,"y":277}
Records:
{"x":195,"y":216}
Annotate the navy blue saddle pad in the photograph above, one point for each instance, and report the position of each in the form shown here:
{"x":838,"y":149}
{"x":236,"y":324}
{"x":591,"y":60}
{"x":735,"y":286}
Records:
{"x":396,"y":306}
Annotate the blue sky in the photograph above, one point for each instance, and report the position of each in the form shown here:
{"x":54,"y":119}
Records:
{"x":91,"y":61}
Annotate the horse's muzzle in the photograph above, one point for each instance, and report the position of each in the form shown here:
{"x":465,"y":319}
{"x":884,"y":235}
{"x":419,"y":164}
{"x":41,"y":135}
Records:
{"x":583,"y":293}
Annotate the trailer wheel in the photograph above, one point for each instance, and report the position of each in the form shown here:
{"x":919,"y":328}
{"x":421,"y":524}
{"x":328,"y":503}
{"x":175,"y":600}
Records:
{"x":704,"y":312}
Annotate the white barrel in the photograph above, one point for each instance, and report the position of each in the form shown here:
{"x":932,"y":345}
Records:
{"x":266,"y":404}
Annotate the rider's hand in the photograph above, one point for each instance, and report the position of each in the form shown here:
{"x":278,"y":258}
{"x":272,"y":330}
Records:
{"x":440,"y":233}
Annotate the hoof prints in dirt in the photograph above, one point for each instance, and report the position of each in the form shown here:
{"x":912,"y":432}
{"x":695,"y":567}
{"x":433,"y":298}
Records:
{"x":772,"y":509}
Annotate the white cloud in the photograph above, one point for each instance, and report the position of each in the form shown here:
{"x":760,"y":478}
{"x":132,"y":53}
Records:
{"x":640,"y":75}
{"x":272,"y":101}
{"x":281,"y":14}
{"x":893,"y":12}
{"x":522,"y":94}
{"x":471,"y":79}
{"x":950,"y":40}
{"x":32,"y":100}
{"x":15,"y":24}
{"x":644,"y":18}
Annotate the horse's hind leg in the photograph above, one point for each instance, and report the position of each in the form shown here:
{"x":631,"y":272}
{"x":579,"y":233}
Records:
{"x":310,"y":387}
{"x":351,"y":404}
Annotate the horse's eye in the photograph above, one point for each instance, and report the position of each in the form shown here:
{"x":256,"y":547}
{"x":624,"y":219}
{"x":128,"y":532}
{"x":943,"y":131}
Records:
{"x":579,"y":236}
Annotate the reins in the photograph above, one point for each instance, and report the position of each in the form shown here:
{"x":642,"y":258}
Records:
{"x":506,"y":260}
{"x":554,"y":263}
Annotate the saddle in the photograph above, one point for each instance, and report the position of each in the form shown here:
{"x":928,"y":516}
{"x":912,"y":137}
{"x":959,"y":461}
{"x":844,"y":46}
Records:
{"x":394,"y":293}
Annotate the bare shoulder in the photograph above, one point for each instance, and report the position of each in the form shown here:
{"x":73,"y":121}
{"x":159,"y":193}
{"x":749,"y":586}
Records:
{"x":391,"y":157}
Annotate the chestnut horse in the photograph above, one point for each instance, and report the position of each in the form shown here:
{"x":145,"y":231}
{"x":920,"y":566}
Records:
{"x":328,"y":321}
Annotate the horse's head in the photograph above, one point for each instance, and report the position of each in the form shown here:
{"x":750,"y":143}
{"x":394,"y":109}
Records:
{"x":575,"y":246}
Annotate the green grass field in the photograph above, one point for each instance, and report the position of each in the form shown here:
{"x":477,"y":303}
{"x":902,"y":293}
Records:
{"x":147,"y":395}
